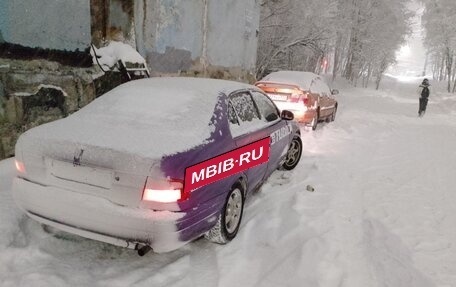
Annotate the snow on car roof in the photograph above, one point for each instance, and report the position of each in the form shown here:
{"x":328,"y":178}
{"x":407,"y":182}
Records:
{"x":297,"y":78}
{"x":148,"y":117}
{"x":165,"y":99}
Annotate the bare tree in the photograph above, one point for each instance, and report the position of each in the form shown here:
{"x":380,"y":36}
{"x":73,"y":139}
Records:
{"x":440,"y":40}
{"x":307,"y":34}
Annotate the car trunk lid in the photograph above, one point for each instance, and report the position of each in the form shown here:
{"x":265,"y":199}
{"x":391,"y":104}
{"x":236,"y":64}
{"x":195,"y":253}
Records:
{"x":87,"y":164}
{"x":282,"y":92}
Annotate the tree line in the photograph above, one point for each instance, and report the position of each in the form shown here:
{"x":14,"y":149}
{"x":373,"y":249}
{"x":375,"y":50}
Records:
{"x":439,"y":24}
{"x":355,"y":39}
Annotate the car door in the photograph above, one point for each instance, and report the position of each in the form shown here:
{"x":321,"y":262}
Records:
{"x":278,"y":129}
{"x":246,"y":127}
{"x":319,"y":87}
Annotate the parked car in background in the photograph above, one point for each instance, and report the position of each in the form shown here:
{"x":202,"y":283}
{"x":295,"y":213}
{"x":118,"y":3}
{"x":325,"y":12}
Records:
{"x":155,"y":163}
{"x":303,"y":93}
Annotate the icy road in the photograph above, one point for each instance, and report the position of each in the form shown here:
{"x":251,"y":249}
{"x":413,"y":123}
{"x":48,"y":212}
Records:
{"x":383,"y":213}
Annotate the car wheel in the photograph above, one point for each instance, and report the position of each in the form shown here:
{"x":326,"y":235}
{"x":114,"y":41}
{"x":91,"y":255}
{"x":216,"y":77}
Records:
{"x":314,"y":122}
{"x":328,"y":118}
{"x":293,"y":154}
{"x":333,"y":115}
{"x":229,"y":220}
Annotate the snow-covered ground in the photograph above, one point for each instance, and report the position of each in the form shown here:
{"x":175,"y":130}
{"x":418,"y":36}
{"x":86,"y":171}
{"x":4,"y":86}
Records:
{"x":382,"y":214}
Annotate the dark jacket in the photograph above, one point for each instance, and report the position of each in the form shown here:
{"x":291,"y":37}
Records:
{"x":424,"y":91}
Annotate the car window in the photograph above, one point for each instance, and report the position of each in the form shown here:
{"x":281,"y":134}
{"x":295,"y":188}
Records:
{"x":267,"y":109}
{"x":320,"y":87}
{"x":244,"y":107}
{"x":232,"y":115}
{"x":243,"y":114}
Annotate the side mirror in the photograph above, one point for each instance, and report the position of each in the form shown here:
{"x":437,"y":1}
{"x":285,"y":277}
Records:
{"x":334,"y":92}
{"x":287,"y":115}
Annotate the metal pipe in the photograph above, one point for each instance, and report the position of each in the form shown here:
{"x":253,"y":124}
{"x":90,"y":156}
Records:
{"x":143,"y":250}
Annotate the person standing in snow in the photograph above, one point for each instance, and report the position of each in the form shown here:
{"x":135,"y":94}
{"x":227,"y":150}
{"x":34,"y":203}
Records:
{"x":423,"y":91}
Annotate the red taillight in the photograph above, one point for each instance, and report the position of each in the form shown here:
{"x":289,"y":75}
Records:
{"x":294,"y":98}
{"x":163,"y":191}
{"x":304,"y":99}
{"x":170,"y":195}
{"x":20,"y":167}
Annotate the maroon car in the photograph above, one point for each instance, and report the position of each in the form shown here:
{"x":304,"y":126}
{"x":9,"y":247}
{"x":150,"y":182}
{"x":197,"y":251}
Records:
{"x":303,"y":93}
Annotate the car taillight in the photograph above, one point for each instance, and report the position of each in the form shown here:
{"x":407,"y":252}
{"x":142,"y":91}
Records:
{"x":20,"y":167}
{"x":304,"y":99}
{"x":164,"y":191}
{"x":295,"y":95}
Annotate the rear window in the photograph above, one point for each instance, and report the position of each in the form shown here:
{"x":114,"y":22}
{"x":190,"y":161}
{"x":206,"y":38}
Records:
{"x":279,"y":89}
{"x":319,"y":87}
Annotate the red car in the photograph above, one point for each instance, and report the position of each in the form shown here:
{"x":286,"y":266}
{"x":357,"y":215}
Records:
{"x":303,"y":93}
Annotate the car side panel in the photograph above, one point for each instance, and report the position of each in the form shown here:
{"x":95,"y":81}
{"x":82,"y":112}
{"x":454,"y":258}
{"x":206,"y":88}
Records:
{"x":256,"y":174}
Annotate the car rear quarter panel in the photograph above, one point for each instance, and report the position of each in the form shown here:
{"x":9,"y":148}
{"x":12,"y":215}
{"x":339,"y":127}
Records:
{"x":204,"y":204}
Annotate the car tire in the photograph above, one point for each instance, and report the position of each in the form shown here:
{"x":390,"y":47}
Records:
{"x":333,"y":115}
{"x":328,"y":119}
{"x":314,"y":122}
{"x":293,"y":154}
{"x":229,"y":219}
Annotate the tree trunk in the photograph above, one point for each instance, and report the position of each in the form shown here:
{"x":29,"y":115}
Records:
{"x":441,"y":68}
{"x":369,"y":74}
{"x":449,"y":65}
{"x":454,"y":85}
{"x":378,"y":80}
{"x":383,"y":67}
{"x":337,"y":56}
{"x":425,"y":64}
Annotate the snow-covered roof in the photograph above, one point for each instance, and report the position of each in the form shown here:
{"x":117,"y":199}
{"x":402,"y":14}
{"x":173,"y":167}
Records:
{"x":301,"y":79}
{"x":171,"y":98}
{"x":148,"y":117}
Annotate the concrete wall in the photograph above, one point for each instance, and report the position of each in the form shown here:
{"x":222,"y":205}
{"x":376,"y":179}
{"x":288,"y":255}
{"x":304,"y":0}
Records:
{"x":4,"y":27}
{"x":174,"y":35}
{"x":121,"y":18}
{"x":53,"y":24}
{"x":2,"y":101}
{"x":39,"y":91}
{"x":232,"y":40}
{"x":169,"y":33}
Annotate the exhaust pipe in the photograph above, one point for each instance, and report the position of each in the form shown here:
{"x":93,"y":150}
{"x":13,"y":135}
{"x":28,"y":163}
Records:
{"x":143,"y":250}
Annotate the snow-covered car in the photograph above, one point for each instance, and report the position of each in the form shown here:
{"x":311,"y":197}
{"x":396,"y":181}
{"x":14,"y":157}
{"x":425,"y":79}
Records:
{"x":303,"y":93}
{"x":155,"y":163}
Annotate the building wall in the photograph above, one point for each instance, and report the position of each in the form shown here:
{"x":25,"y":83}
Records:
{"x":176,"y":35}
{"x":169,"y":33}
{"x":52,"y":24}
{"x":4,"y":28}
{"x":232,"y":40}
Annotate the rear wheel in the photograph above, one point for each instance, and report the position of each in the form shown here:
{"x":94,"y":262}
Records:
{"x":229,"y":220}
{"x":333,"y":115}
{"x":314,"y":122}
{"x":293,"y":154}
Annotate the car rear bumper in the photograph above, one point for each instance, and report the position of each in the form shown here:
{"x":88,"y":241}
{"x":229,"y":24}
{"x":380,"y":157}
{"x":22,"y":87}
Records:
{"x":304,"y":117}
{"x":99,"y":219}
{"x":301,"y":113}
